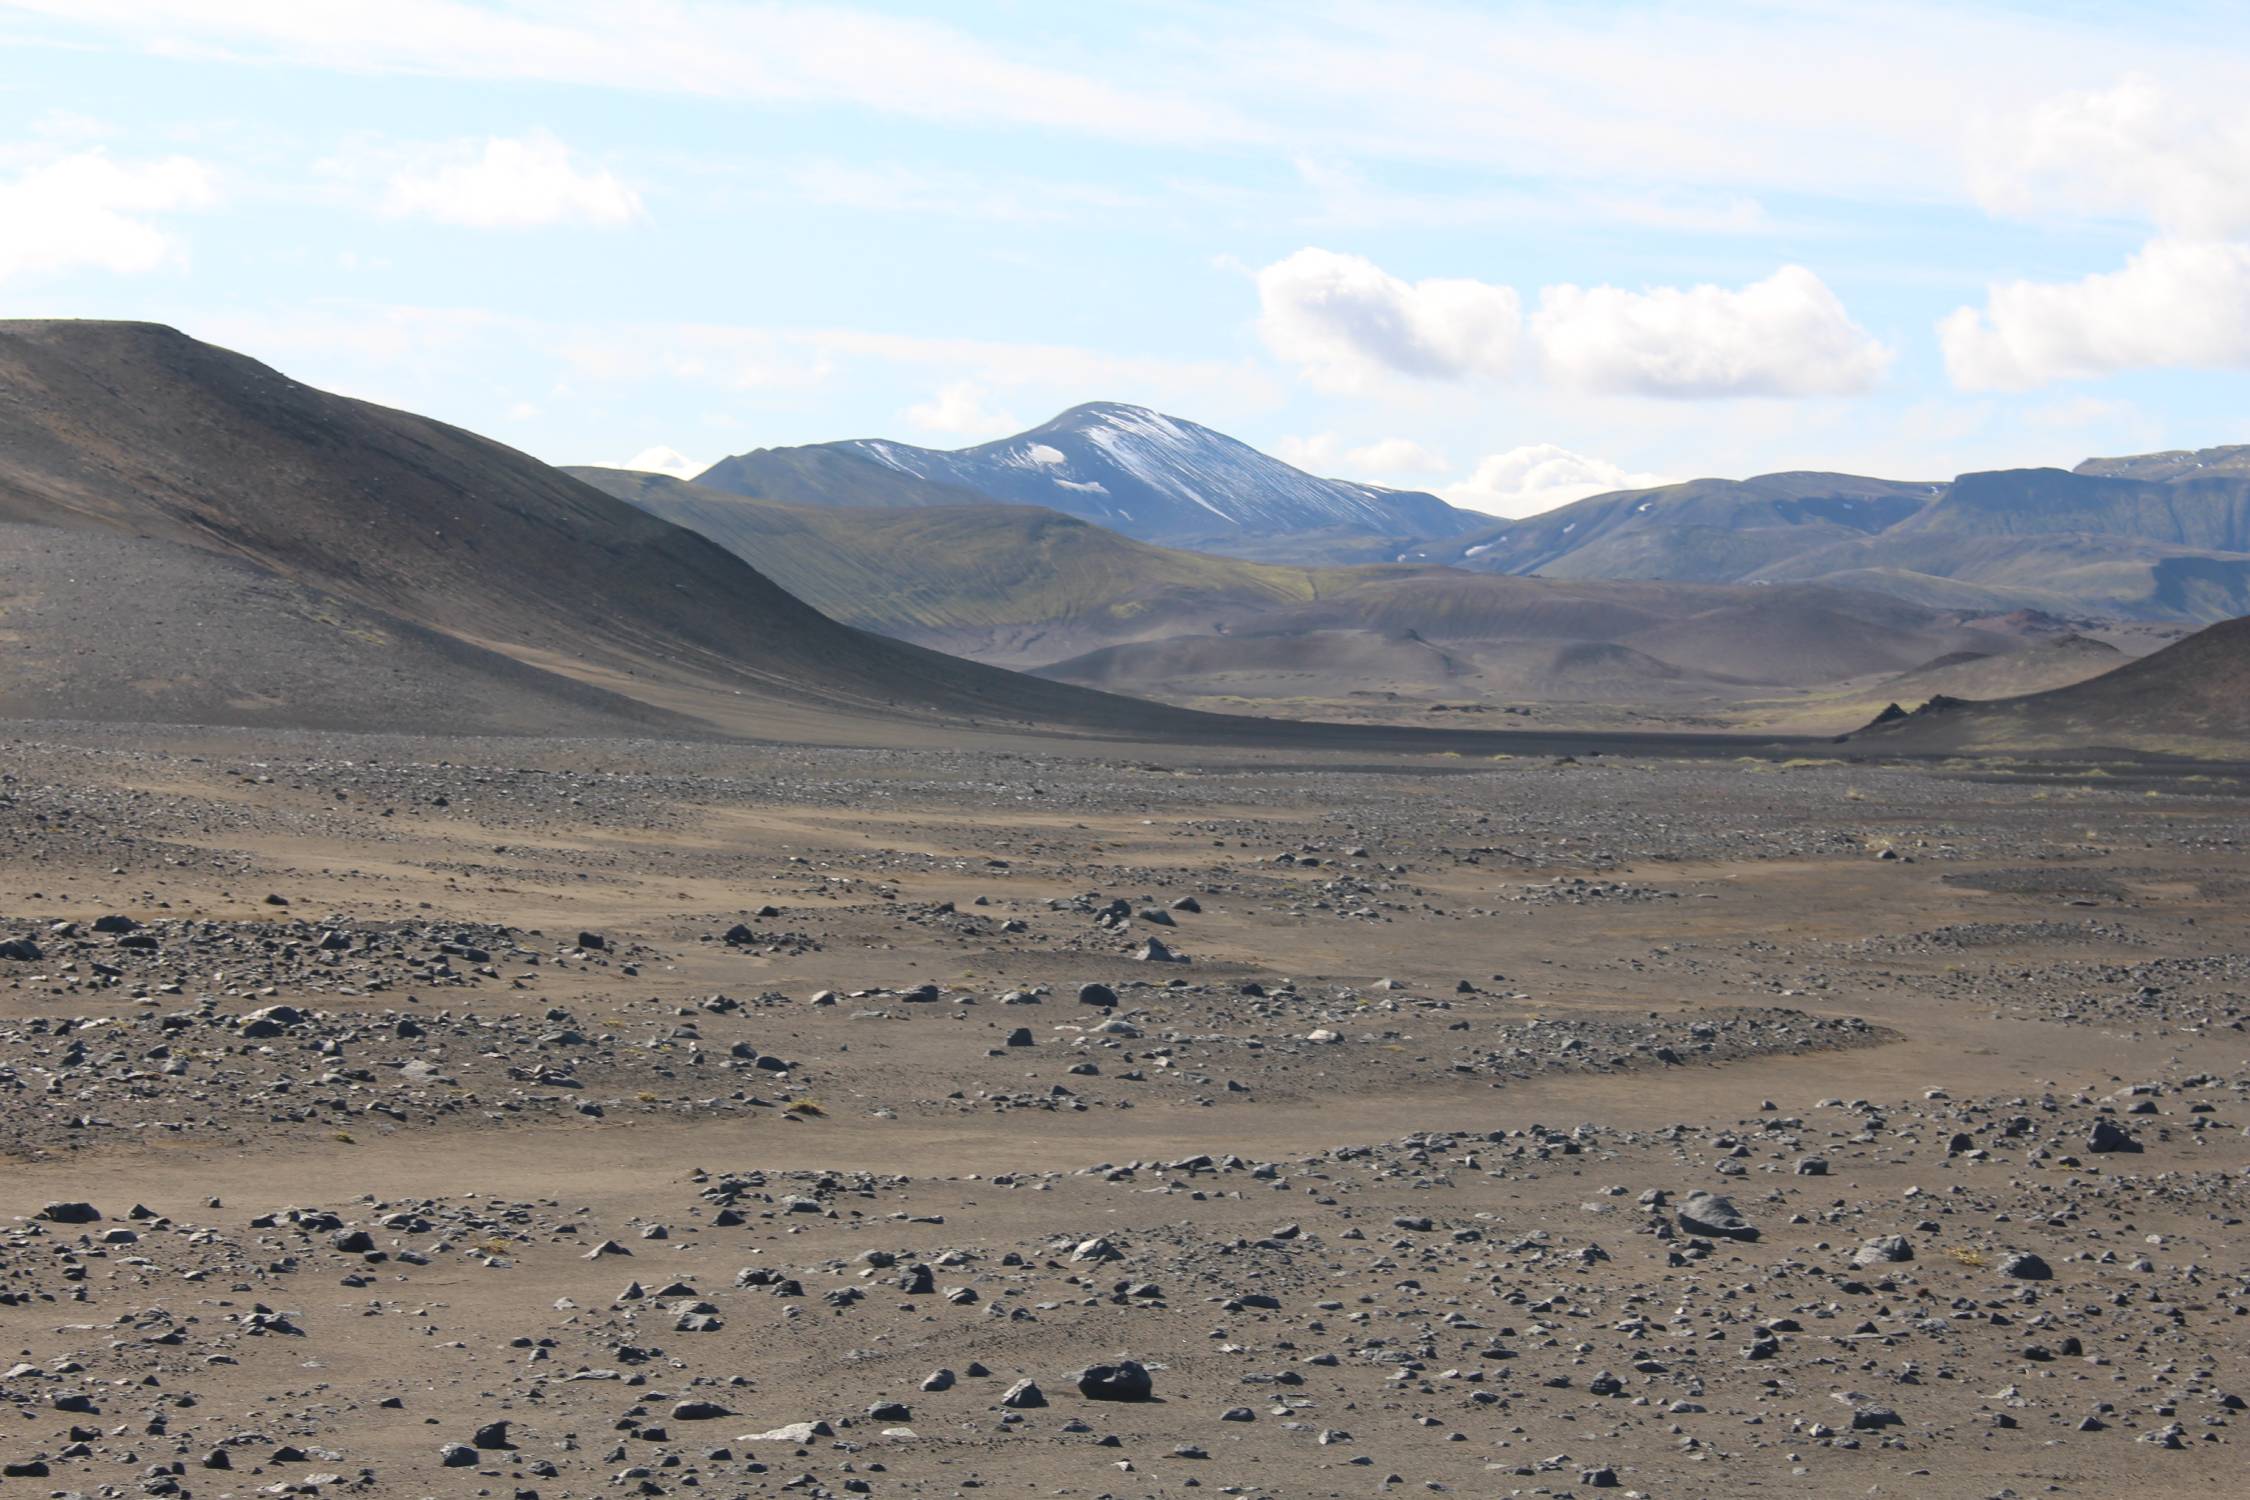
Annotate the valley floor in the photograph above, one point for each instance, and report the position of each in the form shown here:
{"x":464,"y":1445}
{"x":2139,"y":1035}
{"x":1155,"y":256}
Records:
{"x":579,"y":1118}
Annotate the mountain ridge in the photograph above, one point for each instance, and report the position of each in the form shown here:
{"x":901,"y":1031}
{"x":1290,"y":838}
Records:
{"x":188,"y":536}
{"x":1072,"y":601}
{"x":136,"y":430}
{"x":2162,"y":536}
{"x":2191,"y":698}
{"x":2066,"y":541}
{"x":1137,"y":471}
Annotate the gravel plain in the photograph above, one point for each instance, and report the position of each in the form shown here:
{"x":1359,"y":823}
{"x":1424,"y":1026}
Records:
{"x":552,"y":1118}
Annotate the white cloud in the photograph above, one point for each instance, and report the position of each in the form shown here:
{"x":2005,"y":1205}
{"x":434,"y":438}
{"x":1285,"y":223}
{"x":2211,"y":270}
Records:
{"x":2137,"y":151}
{"x":2175,"y":303}
{"x":959,"y":410}
{"x":768,"y":53}
{"x":1385,"y":458}
{"x":1540,"y":476}
{"x":86,"y":210}
{"x":662,"y":460}
{"x":1787,"y":335}
{"x":1345,"y":320}
{"x":2141,"y":150}
{"x":895,"y":189}
{"x":507,"y":183}
{"x":1344,"y":197}
{"x":1739,"y":99}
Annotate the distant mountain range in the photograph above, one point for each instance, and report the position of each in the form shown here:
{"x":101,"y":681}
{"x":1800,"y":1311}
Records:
{"x":188,"y":536}
{"x":1025,"y":587}
{"x":2176,"y":463}
{"x":1148,"y":476}
{"x":2165,"y":536}
{"x":1705,"y":530}
{"x":1012,"y":584}
{"x":2162,"y":536}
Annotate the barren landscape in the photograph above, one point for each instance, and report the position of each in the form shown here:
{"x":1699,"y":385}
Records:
{"x":570,"y":1117}
{"x":760,"y":749}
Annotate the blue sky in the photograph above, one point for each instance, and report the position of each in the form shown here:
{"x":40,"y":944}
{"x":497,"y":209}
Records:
{"x":1512,"y":253}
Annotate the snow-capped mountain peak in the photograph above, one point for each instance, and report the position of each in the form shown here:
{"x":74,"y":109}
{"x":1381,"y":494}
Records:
{"x":1150,"y":475}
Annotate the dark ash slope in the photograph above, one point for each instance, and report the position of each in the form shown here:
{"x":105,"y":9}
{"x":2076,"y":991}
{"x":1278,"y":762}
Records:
{"x":2191,"y":698}
{"x":136,"y":429}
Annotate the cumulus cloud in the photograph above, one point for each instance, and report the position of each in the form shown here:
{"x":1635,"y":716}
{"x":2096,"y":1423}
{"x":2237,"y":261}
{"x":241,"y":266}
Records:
{"x":1787,"y":335}
{"x":2175,"y":303}
{"x":506,"y":182}
{"x":959,"y":409}
{"x":1345,"y":320}
{"x":1540,"y":476}
{"x":2136,"y":150}
{"x":2140,"y":150}
{"x":86,"y":210}
{"x":1385,"y":458}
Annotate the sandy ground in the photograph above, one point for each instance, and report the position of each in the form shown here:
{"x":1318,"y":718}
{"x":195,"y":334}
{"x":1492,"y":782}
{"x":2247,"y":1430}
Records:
{"x":1385,"y":1184}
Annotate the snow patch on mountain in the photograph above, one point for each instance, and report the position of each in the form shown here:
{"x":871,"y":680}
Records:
{"x":1159,"y":478}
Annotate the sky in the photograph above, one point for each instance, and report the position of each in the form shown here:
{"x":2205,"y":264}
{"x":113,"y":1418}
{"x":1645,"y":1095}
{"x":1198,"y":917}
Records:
{"x":1513,"y":254}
